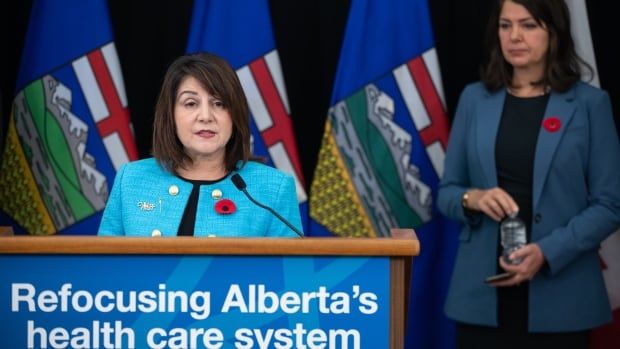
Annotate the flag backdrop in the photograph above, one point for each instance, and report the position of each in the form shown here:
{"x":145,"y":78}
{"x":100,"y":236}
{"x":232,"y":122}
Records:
{"x":240,"y":31}
{"x":383,"y":148}
{"x":69,"y":129}
{"x":606,"y":337}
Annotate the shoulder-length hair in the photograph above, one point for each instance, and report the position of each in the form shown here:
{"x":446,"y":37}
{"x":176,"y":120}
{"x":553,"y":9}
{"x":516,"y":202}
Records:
{"x":221,"y":81}
{"x":562,"y":68}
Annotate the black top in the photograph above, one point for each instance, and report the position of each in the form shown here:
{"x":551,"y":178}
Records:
{"x":188,"y":221}
{"x":515,"y":149}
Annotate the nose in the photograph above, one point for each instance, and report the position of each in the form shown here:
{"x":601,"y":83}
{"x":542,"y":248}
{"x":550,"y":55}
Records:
{"x":205,"y":113}
{"x":515,"y":34}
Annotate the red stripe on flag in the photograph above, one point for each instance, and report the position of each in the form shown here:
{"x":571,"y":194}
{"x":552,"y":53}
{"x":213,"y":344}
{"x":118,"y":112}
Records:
{"x":438,"y":128}
{"x":282,"y":129}
{"x":118,"y":120}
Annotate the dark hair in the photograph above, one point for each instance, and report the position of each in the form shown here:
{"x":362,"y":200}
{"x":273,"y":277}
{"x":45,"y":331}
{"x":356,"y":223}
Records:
{"x":220,"y":80}
{"x":563,"y":68}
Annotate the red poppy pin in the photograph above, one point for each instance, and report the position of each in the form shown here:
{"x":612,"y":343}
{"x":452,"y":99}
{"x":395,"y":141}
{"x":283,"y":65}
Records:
{"x":552,"y":124}
{"x":225,"y":206}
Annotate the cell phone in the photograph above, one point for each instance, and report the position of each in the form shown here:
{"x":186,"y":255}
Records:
{"x":499,"y":277}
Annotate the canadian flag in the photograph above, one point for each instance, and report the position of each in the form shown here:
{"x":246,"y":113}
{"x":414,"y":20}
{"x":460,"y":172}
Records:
{"x":606,"y":337}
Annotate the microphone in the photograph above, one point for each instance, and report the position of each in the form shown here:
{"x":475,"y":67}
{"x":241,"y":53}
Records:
{"x":240,"y":184}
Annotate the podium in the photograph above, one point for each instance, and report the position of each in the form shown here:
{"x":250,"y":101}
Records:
{"x":189,"y":292}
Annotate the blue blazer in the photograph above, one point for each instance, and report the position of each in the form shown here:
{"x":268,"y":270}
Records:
{"x":576,"y":205}
{"x":141,"y":202}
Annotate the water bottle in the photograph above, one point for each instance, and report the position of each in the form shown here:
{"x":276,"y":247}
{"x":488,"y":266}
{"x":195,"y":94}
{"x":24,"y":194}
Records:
{"x":513,"y":236}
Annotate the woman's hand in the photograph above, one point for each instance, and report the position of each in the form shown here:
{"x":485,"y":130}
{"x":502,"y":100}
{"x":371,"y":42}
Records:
{"x":494,"y":202}
{"x":533,"y":260}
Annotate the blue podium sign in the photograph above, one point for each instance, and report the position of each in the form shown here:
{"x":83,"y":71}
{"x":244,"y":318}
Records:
{"x":194,"y":301}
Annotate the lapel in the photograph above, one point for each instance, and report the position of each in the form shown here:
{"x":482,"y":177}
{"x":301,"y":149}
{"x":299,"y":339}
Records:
{"x":486,"y":132}
{"x":560,"y":106}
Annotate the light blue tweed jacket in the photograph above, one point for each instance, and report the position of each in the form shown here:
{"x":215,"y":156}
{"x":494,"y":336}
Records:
{"x":142,"y":203}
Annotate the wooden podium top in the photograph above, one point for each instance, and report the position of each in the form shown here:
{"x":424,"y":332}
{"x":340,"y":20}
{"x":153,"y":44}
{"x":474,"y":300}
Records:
{"x":328,"y":246}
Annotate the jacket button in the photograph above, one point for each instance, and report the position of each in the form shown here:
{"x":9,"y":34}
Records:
{"x":173,"y":190}
{"x":537,"y":218}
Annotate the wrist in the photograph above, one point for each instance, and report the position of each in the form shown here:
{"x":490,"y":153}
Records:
{"x":465,"y":199}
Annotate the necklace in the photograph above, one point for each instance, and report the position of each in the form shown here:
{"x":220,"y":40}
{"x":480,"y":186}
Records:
{"x":515,"y":93}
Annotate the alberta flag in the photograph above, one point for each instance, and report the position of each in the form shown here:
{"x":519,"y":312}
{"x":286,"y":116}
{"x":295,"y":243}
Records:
{"x":383,"y":148}
{"x":69,"y":128}
{"x":240,"y":32}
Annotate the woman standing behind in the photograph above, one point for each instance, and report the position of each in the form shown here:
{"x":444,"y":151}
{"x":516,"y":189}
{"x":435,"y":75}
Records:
{"x":201,"y":142}
{"x":531,"y":139}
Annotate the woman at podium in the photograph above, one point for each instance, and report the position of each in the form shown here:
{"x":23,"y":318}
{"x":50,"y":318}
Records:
{"x":202,"y":179}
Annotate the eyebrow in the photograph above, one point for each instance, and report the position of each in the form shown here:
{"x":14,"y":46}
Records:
{"x":518,"y":20}
{"x":194,"y":93}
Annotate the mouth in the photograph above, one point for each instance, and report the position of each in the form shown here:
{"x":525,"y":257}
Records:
{"x":205,"y":133}
{"x":517,"y":52}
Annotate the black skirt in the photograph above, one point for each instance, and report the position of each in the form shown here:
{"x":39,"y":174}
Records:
{"x":483,"y":337}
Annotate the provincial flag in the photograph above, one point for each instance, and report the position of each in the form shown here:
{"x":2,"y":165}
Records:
{"x":383,"y":148}
{"x":608,"y":336}
{"x":69,"y":129}
{"x":240,"y":31}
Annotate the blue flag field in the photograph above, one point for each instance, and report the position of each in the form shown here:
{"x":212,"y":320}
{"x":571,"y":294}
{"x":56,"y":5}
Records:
{"x":383,"y":149}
